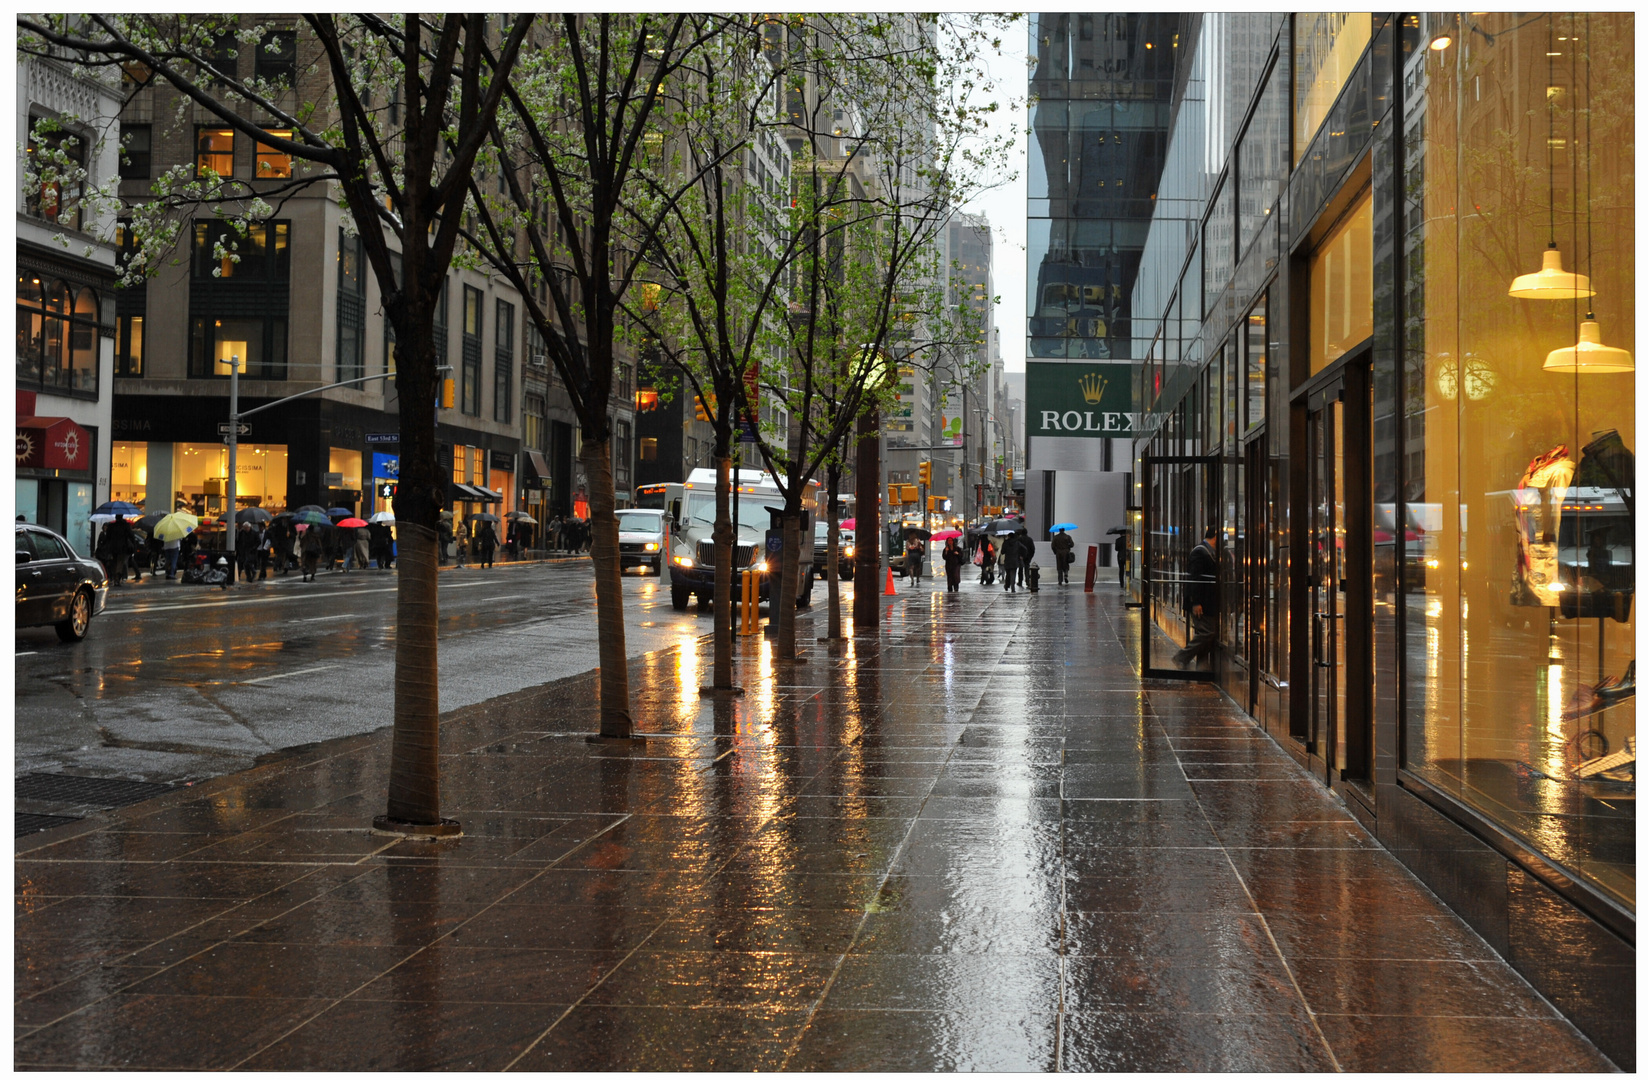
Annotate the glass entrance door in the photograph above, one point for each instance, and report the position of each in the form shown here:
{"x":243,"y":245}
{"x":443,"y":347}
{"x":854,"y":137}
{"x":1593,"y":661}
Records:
{"x":1325,"y":739}
{"x":1180,"y":502}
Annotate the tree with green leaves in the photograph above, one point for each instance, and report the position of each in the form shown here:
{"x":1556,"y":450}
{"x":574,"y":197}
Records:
{"x":391,"y":111}
{"x":581,"y":194}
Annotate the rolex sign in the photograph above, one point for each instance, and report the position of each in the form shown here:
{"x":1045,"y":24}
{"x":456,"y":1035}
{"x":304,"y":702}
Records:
{"x":1079,"y":400}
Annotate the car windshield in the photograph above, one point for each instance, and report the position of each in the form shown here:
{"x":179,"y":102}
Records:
{"x":640,"y":521}
{"x":752,"y":509}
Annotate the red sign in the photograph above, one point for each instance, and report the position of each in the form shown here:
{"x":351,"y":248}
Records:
{"x":52,"y":442}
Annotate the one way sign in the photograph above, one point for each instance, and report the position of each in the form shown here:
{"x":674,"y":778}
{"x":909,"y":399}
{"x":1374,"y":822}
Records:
{"x":223,"y":428}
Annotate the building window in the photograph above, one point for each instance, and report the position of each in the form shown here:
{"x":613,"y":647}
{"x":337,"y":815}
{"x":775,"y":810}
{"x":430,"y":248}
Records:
{"x":534,"y":430}
{"x":648,"y":449}
{"x":224,"y":57}
{"x":57,"y":336}
{"x":215,"y":151}
{"x":626,"y":382}
{"x":273,"y":164}
{"x":443,"y":330}
{"x":239,"y":308}
{"x":1326,"y":47}
{"x":1341,"y":287}
{"x":620,"y":454}
{"x":277,"y":57}
{"x":351,"y":309}
{"x":503,"y":372}
{"x":260,"y":256}
{"x":135,"y":144}
{"x":470,"y":391}
{"x":131,"y":306}
{"x":56,"y":201}
{"x":389,"y":327}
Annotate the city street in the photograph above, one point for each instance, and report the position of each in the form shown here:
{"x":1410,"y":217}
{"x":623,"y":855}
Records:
{"x":978,"y":842}
{"x":185,"y":682}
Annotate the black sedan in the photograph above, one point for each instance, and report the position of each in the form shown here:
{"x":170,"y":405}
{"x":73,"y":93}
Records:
{"x":56,"y":587}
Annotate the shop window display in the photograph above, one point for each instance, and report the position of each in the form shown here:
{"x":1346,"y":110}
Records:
{"x":1520,"y":655}
{"x":200,"y":472}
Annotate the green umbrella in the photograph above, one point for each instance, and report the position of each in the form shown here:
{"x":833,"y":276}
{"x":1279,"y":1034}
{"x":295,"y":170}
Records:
{"x":311,"y":517}
{"x":176,"y":526}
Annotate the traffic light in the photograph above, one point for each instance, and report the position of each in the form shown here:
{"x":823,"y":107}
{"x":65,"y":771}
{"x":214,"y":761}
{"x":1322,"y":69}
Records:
{"x":933,"y":503}
{"x":448,"y":393}
{"x":925,"y":470}
{"x":703,"y":409}
{"x":1009,"y":475}
{"x":892,"y":495}
{"x":910,"y":495}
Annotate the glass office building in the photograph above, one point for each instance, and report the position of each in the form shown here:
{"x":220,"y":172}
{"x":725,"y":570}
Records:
{"x":1386,"y":326}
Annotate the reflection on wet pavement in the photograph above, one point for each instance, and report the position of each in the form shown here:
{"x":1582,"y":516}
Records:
{"x":977,"y":843}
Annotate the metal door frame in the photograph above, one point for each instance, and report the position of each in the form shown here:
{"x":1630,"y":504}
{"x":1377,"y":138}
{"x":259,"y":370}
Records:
{"x":1210,"y":465}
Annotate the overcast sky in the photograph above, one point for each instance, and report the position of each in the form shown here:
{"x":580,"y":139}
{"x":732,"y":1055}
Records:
{"x":1005,"y":204}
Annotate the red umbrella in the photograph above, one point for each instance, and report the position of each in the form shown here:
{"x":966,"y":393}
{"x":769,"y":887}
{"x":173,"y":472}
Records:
{"x":849,"y":523}
{"x":946,"y":534}
{"x":351,"y":523}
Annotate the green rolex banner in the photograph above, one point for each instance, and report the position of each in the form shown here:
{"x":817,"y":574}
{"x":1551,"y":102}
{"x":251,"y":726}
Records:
{"x":1086,"y":401}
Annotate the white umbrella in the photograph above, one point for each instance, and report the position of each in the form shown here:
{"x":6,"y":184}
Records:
{"x":382,"y":517}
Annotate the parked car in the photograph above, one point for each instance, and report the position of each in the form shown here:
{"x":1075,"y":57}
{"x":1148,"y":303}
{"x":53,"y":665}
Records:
{"x":641,"y":539}
{"x":55,"y":586}
{"x":821,"y":552}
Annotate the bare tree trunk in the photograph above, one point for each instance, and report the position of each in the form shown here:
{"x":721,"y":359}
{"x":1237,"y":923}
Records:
{"x":832,"y":566}
{"x":609,"y":591}
{"x":414,"y":770}
{"x":867,"y":530}
{"x":789,"y":586}
{"x":725,"y":538}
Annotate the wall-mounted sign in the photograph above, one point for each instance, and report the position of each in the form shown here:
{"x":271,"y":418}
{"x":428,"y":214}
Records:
{"x":1080,"y":400}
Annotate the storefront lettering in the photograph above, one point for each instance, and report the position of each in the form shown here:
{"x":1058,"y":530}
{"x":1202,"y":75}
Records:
{"x":1119,"y":422}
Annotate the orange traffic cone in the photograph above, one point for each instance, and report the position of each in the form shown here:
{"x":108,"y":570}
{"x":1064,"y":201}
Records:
{"x":889,"y":590}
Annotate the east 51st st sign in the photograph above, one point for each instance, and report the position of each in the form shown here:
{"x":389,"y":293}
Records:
{"x":1083,"y":400}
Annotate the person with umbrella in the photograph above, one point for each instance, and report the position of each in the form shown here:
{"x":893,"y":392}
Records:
{"x":1122,"y":565}
{"x":246,"y":552}
{"x":312,"y":546}
{"x":1011,"y":556}
{"x":915,"y":553}
{"x":986,"y":559}
{"x":953,"y":558}
{"x":486,"y":540}
{"x":1064,"y":552}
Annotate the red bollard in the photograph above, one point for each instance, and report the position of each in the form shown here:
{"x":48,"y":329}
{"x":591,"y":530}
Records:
{"x":1092,"y":566}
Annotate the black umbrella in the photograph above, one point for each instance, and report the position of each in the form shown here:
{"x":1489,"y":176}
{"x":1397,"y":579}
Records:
{"x":483,"y":517}
{"x":254,"y":515}
{"x":340,"y":512}
{"x":310,"y":507}
{"x":912,"y":530}
{"x":148,"y":521}
{"x":1114,"y":532}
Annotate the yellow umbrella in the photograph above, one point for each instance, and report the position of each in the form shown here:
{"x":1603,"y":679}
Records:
{"x":176,"y":526}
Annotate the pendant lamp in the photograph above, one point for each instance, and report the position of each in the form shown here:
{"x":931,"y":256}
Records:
{"x":1551,"y":282}
{"x":1588,"y":356}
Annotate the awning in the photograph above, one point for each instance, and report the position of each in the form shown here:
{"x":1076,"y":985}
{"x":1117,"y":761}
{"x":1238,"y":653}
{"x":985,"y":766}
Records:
{"x":52,"y":442}
{"x":535,"y":461}
{"x":472,"y":493}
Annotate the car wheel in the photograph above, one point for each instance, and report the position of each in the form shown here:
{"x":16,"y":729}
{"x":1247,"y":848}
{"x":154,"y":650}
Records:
{"x":678,"y":599}
{"x":706,"y":601}
{"x":79,"y":621}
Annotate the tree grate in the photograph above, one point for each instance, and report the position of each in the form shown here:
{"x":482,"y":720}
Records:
{"x":29,"y":824}
{"x":86,"y":790}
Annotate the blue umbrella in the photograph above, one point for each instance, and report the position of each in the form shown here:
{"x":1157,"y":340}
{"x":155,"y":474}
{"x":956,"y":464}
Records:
{"x":1066,"y":526}
{"x":340,"y":512}
{"x":113,"y":508}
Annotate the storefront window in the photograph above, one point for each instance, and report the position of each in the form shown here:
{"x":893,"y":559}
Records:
{"x":1520,"y":516}
{"x":343,"y":469}
{"x":129,"y":472}
{"x":1326,"y":46}
{"x":1341,"y":287}
{"x":200,"y":472}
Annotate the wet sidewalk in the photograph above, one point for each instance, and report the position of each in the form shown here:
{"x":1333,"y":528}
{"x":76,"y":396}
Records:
{"x":980,"y":843}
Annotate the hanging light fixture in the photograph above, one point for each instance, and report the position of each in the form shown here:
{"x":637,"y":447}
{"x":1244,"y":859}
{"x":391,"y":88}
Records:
{"x":1551,"y":282}
{"x":1589,"y":355}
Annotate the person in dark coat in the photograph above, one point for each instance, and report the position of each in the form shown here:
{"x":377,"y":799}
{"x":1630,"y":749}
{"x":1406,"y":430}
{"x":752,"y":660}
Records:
{"x":915,"y":554}
{"x":486,"y":542}
{"x":1123,"y":568}
{"x":953,"y":558}
{"x":378,"y":543}
{"x":312,"y":548}
{"x":1010,"y":555}
{"x":444,"y":538}
{"x":1064,"y":553}
{"x":1202,"y":598}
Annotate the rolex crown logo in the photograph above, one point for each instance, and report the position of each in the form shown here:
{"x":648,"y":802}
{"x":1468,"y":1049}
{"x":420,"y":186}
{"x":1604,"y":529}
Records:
{"x":1092,"y":387}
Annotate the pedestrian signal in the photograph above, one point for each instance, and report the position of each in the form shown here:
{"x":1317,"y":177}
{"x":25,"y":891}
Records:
{"x":387,"y":491}
{"x":910,"y":495}
{"x":892,"y":496}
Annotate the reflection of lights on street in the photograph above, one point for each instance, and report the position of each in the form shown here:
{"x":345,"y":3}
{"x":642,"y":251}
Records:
{"x":1553,"y":709}
{"x":1433,"y":608}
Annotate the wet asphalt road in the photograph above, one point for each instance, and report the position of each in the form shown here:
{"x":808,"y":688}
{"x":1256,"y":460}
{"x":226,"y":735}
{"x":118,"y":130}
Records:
{"x":178,"y":682}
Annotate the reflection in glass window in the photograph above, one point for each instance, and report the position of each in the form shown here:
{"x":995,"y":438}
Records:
{"x":1341,"y":287}
{"x":1262,"y":159}
{"x":1257,"y":353}
{"x":1326,"y":46}
{"x":1219,"y":243}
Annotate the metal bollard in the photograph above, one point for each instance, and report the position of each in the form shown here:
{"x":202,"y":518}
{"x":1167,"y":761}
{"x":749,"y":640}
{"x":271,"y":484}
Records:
{"x":1092,"y":566}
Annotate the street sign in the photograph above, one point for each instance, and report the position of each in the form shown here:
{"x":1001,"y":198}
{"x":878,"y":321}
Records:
{"x":748,"y":432}
{"x":223,"y":428}
{"x":383,"y":436}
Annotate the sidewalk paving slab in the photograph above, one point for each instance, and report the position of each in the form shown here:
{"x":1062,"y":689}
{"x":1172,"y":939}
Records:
{"x":978,"y":842}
